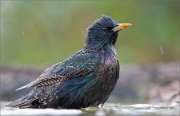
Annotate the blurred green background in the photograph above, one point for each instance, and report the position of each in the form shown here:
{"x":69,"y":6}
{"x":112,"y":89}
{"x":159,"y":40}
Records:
{"x":41,"y":33}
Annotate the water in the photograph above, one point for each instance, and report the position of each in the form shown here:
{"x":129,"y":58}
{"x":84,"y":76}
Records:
{"x":109,"y":109}
{"x":161,"y":50}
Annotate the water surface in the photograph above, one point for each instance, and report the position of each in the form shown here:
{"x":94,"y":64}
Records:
{"x":109,"y":109}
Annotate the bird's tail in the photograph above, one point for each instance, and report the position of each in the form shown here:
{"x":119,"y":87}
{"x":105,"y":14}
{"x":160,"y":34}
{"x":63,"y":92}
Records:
{"x":23,"y":102}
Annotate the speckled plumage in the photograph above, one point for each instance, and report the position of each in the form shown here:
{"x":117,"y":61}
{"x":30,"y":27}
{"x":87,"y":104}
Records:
{"x":84,"y":79}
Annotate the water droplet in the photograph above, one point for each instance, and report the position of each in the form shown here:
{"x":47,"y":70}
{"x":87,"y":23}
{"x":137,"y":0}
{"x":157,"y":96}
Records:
{"x":161,"y":50}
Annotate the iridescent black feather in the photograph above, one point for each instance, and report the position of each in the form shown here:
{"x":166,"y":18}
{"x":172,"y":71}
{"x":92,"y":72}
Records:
{"x":84,"y":79}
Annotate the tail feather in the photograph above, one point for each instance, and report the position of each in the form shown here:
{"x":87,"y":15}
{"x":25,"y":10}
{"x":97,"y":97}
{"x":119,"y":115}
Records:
{"x":22,"y":103}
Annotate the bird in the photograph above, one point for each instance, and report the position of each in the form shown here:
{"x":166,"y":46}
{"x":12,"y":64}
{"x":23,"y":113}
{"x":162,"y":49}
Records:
{"x":84,"y":79}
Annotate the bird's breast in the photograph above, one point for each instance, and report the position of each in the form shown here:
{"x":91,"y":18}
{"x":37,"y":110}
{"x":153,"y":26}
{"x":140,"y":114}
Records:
{"x":108,"y":73}
{"x":110,"y":59}
{"x":109,"y":68}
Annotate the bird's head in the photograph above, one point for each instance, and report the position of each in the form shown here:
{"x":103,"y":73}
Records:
{"x":103,"y":31}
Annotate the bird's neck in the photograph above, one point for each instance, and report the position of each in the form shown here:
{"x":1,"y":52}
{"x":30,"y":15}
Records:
{"x":94,"y":44}
{"x":97,"y":47}
{"x":109,"y":48}
{"x":98,"y":42}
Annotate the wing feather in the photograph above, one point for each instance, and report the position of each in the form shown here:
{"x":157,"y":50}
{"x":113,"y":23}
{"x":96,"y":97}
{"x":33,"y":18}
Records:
{"x":75,"y":66}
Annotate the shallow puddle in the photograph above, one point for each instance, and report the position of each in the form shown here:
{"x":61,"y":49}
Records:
{"x":109,"y":109}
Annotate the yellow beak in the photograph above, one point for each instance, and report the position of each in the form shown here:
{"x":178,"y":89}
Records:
{"x":121,"y":26}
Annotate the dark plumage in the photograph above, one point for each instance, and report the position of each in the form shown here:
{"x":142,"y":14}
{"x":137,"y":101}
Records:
{"x":84,"y":79}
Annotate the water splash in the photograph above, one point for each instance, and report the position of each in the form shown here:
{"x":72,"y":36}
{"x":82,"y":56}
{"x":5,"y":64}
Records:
{"x":161,"y":50}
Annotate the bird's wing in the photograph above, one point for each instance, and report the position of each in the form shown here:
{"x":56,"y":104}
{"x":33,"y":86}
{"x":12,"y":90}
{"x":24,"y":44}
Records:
{"x":74,"y":66}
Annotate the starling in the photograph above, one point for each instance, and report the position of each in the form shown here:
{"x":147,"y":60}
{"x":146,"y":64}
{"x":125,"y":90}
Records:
{"x":84,"y":79}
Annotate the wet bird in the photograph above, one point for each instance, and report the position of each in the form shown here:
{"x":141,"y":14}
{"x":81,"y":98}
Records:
{"x":84,"y":79}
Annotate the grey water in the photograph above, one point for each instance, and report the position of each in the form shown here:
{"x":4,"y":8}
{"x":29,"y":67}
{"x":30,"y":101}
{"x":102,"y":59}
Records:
{"x":109,"y":109}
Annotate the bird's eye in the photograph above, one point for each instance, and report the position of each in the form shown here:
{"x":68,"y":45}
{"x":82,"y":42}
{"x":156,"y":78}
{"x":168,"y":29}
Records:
{"x":107,"y":28}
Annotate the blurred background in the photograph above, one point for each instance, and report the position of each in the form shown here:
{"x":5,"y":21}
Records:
{"x":36,"y":34}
